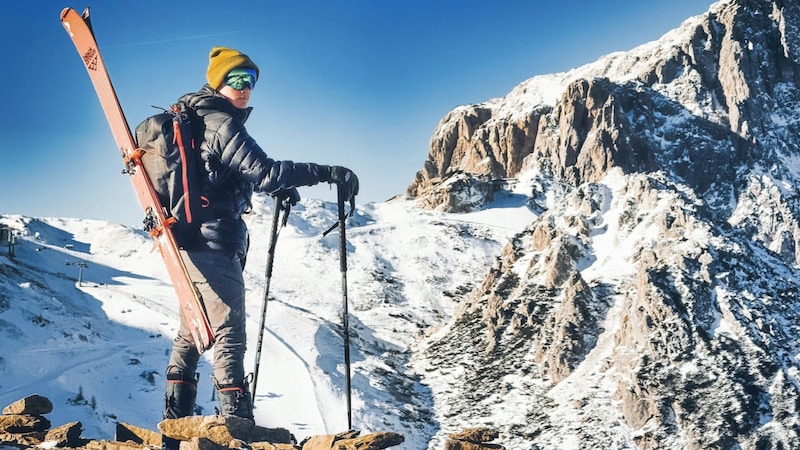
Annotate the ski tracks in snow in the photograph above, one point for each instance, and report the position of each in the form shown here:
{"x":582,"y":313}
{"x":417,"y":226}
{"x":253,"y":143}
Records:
{"x":88,"y":355}
{"x":289,"y":398}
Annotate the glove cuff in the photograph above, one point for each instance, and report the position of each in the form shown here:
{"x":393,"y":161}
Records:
{"x":324,"y":173}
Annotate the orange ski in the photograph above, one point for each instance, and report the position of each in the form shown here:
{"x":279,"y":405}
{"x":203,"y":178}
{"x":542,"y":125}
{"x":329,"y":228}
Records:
{"x":157,"y":221}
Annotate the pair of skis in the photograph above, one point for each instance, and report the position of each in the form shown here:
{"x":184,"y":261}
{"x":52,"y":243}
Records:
{"x":158,"y":223}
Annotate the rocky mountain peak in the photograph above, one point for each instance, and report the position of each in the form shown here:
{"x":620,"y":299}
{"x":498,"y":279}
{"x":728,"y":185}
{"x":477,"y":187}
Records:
{"x":654,"y":298}
{"x":715,"y":92}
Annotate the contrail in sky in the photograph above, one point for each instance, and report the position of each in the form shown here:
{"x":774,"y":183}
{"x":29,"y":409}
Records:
{"x":163,"y":41}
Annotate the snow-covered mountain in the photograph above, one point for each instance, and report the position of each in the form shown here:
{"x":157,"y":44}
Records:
{"x":604,"y":258}
{"x":653,"y":302}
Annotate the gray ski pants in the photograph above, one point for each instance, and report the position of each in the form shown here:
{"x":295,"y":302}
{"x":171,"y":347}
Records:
{"x":218,"y":277}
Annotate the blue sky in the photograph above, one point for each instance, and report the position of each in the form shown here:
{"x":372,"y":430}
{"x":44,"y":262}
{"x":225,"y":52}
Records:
{"x":359,"y":83}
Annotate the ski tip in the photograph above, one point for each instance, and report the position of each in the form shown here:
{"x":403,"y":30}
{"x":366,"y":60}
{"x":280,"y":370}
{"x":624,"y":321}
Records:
{"x":64,"y":13}
{"x":72,"y":12}
{"x":84,"y":15}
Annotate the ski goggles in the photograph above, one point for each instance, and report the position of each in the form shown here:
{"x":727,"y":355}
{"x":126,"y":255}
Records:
{"x":241,"y":78}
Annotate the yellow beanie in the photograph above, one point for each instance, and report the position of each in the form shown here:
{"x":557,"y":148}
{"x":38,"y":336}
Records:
{"x":222,"y":60}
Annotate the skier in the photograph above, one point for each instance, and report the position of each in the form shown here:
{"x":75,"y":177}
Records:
{"x":237,"y":167}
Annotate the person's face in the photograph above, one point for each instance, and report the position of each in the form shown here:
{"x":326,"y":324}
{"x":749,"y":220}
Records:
{"x":238,"y":86}
{"x":239,"y":97}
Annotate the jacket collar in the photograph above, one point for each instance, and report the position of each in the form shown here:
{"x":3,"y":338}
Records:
{"x":208,"y":98}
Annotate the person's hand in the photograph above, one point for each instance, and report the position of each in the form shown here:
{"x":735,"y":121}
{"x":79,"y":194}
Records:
{"x":348,"y":181}
{"x":287,"y":197}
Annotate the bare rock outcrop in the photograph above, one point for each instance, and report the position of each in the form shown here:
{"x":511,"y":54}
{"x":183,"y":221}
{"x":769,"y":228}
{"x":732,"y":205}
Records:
{"x":23,"y":425}
{"x":35,"y":405}
{"x":472,"y":140}
{"x":473,"y":439}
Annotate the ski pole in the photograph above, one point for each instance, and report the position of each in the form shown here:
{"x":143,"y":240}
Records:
{"x":343,"y":268}
{"x":273,"y":239}
{"x":345,"y":320}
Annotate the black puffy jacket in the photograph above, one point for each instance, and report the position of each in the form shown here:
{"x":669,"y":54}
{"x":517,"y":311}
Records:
{"x":237,"y":166}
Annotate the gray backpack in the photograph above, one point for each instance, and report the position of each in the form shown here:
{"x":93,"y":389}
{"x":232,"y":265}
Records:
{"x":175,"y":168}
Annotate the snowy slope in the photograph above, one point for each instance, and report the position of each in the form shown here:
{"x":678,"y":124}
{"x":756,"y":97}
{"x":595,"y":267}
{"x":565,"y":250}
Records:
{"x":99,"y":350}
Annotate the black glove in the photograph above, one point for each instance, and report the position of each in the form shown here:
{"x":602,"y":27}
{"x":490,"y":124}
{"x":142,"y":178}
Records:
{"x":345,"y":178}
{"x":288,"y":197}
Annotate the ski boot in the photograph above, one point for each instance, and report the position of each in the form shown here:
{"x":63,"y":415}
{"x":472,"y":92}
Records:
{"x":179,"y":399}
{"x":234,"y":400}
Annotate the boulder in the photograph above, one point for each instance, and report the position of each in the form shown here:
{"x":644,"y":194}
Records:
{"x":130,"y":433}
{"x":473,"y":439}
{"x":23,"y":423}
{"x":223,"y":430}
{"x":219,"y":429}
{"x":67,"y":435}
{"x":34,"y":405}
{"x":22,"y":440}
{"x":113,"y":445}
{"x":350,"y":440}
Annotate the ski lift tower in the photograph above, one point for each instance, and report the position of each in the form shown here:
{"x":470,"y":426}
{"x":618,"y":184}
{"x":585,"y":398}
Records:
{"x":81,"y":265}
{"x":8,"y":236}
